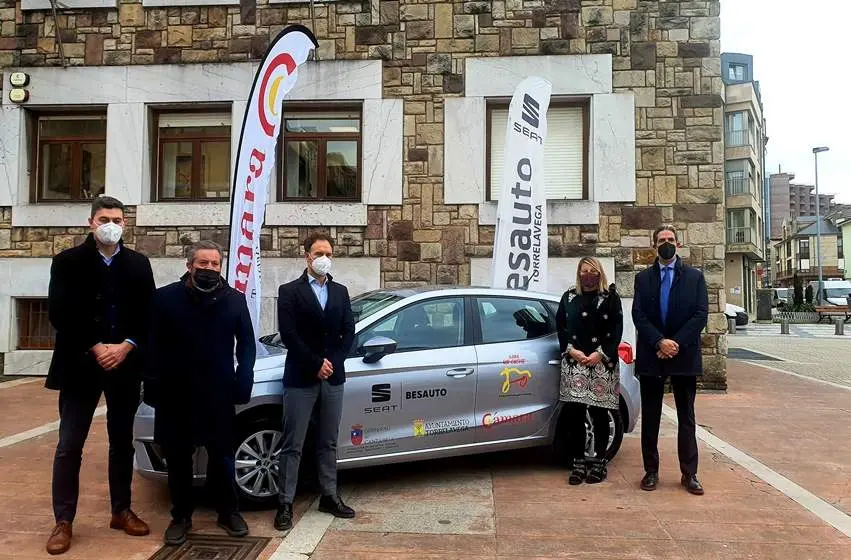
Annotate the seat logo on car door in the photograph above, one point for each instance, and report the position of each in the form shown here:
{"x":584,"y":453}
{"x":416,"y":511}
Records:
{"x":383,"y":393}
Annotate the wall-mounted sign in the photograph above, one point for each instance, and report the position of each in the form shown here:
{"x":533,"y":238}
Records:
{"x":19,"y":79}
{"x":18,"y":95}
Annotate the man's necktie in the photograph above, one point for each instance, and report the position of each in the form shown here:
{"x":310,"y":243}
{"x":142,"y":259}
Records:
{"x":666,"y":293}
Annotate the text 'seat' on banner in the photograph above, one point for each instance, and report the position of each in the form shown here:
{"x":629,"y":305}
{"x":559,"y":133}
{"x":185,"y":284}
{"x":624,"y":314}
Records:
{"x":520,"y":242}
{"x":255,"y":160}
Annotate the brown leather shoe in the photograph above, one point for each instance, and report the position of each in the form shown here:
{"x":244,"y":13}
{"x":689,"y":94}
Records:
{"x":129,"y":523}
{"x":60,"y":539}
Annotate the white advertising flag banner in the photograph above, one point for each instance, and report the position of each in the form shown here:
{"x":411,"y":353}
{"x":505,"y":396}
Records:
{"x":520,"y":242}
{"x":255,"y":161}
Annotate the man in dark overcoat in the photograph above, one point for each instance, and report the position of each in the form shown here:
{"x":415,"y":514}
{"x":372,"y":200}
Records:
{"x":98,"y":303}
{"x":670,"y":311}
{"x":197,"y":325}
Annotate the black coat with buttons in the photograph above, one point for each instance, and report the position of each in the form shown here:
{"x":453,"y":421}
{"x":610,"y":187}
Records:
{"x":90,"y":303}
{"x":591,"y":322}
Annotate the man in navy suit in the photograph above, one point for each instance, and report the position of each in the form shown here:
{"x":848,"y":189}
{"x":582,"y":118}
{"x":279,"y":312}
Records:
{"x":318,"y":328}
{"x":670,"y":311}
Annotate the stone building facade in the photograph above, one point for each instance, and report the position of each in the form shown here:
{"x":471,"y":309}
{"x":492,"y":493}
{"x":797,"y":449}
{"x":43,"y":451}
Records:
{"x":639,"y":81}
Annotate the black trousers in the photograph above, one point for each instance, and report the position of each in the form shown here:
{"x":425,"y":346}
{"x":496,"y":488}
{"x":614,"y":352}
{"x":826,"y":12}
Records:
{"x":76,"y":409}
{"x":576,"y":429}
{"x":652,"y":393}
{"x":220,"y":477}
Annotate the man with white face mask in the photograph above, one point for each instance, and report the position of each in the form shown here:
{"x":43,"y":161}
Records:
{"x":98,"y":303}
{"x":317,"y":326}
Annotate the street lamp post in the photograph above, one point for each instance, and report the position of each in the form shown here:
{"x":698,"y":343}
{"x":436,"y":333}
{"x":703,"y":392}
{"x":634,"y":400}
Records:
{"x":816,"y":152}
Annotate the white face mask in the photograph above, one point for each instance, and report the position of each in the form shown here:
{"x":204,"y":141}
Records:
{"x":109,"y":233}
{"x":322,"y":265}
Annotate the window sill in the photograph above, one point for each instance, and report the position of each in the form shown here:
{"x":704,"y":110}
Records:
{"x":45,"y":214}
{"x":559,"y":212}
{"x":68,"y":4}
{"x":183,"y":214}
{"x":316,"y":214}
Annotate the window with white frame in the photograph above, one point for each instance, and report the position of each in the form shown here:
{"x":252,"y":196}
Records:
{"x":193,"y":155}
{"x":565,"y":150}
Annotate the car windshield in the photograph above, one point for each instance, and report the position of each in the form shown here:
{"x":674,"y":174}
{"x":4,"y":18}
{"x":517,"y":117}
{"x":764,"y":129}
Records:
{"x":368,"y":303}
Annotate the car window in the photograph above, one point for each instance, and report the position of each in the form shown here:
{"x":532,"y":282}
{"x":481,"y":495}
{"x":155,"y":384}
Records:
{"x":510,"y":319}
{"x":368,"y":303}
{"x":426,"y":325}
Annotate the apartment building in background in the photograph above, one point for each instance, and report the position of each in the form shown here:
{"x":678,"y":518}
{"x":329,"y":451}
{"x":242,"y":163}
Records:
{"x":392,"y":141}
{"x":744,"y":188}
{"x":797,"y":253}
{"x":791,"y":200}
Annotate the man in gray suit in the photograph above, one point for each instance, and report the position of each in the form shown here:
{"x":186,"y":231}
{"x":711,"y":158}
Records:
{"x":318,"y":328}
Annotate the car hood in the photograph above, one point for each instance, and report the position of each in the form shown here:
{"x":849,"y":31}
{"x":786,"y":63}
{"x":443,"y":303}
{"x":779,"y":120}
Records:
{"x":733,"y":309}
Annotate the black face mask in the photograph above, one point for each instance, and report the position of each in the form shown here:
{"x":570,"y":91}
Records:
{"x":667,"y":251}
{"x":205,"y":280}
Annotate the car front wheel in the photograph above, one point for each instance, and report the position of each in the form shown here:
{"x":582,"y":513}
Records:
{"x":257,"y":453}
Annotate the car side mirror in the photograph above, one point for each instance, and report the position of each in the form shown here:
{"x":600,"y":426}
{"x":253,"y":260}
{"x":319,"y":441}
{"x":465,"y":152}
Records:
{"x":378,"y":347}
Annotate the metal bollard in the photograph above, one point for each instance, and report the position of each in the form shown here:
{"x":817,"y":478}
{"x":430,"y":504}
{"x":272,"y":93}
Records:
{"x":784,"y":325}
{"x":840,"y":326}
{"x":731,"y":325}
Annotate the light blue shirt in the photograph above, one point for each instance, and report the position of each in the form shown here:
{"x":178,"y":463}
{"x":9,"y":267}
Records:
{"x":108,"y":260}
{"x":320,"y":291}
{"x":670,"y":266}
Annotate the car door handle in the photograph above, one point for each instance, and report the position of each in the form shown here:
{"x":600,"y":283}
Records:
{"x":554,"y":362}
{"x":458,"y":373}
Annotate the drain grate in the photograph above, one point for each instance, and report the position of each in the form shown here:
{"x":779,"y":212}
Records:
{"x":742,"y":354}
{"x":213,"y":547}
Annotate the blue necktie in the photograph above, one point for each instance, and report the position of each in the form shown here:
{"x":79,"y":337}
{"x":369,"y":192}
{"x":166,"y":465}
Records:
{"x":666,"y":293}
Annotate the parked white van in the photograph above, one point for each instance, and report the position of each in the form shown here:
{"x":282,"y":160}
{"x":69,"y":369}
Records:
{"x":836,"y":292}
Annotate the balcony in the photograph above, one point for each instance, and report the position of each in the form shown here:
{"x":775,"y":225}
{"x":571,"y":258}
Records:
{"x":743,"y":240}
{"x":738,"y":185}
{"x":738,"y":138}
{"x":739,"y":235}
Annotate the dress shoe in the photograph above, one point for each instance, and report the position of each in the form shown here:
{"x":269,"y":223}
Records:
{"x":60,"y":539}
{"x":650,"y":481}
{"x":691,"y":484}
{"x":176,"y":532}
{"x":335,"y":506}
{"x":284,"y":518}
{"x":597,"y":471}
{"x":578,"y":472}
{"x":128,"y":522}
{"x":234,"y":524}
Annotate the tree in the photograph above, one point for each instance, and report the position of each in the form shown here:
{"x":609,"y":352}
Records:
{"x":808,"y":294}
{"x":798,"y":294}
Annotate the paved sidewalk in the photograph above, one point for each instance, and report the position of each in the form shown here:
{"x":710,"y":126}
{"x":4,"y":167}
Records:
{"x":508,"y":505}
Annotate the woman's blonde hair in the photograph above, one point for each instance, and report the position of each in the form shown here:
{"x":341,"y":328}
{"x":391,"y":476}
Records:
{"x":596,"y":266}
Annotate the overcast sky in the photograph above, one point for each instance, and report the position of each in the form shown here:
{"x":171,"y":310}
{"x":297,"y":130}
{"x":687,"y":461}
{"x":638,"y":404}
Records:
{"x":797,"y":49}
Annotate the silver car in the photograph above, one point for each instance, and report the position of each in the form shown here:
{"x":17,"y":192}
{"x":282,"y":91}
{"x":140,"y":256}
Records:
{"x":434,"y":372}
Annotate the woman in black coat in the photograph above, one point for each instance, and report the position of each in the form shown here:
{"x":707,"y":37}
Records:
{"x":590,"y":325}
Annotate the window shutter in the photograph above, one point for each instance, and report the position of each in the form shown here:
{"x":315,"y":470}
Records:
{"x":188,"y":120}
{"x":564,"y":153}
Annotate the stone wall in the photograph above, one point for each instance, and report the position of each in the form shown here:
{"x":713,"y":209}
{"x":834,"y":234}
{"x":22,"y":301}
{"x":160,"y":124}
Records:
{"x":667,"y":53}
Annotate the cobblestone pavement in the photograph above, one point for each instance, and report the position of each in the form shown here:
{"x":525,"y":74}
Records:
{"x":502,"y":506}
{"x":810,"y":350}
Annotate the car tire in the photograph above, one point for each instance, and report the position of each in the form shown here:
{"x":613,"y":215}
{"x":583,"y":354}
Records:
{"x":269,"y":429}
{"x":616,"y":436}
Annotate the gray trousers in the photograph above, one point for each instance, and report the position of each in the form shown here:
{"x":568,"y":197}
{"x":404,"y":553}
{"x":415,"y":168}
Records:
{"x":298,"y":410}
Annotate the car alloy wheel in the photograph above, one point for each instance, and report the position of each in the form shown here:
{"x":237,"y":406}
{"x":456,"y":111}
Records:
{"x":257,"y":463}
